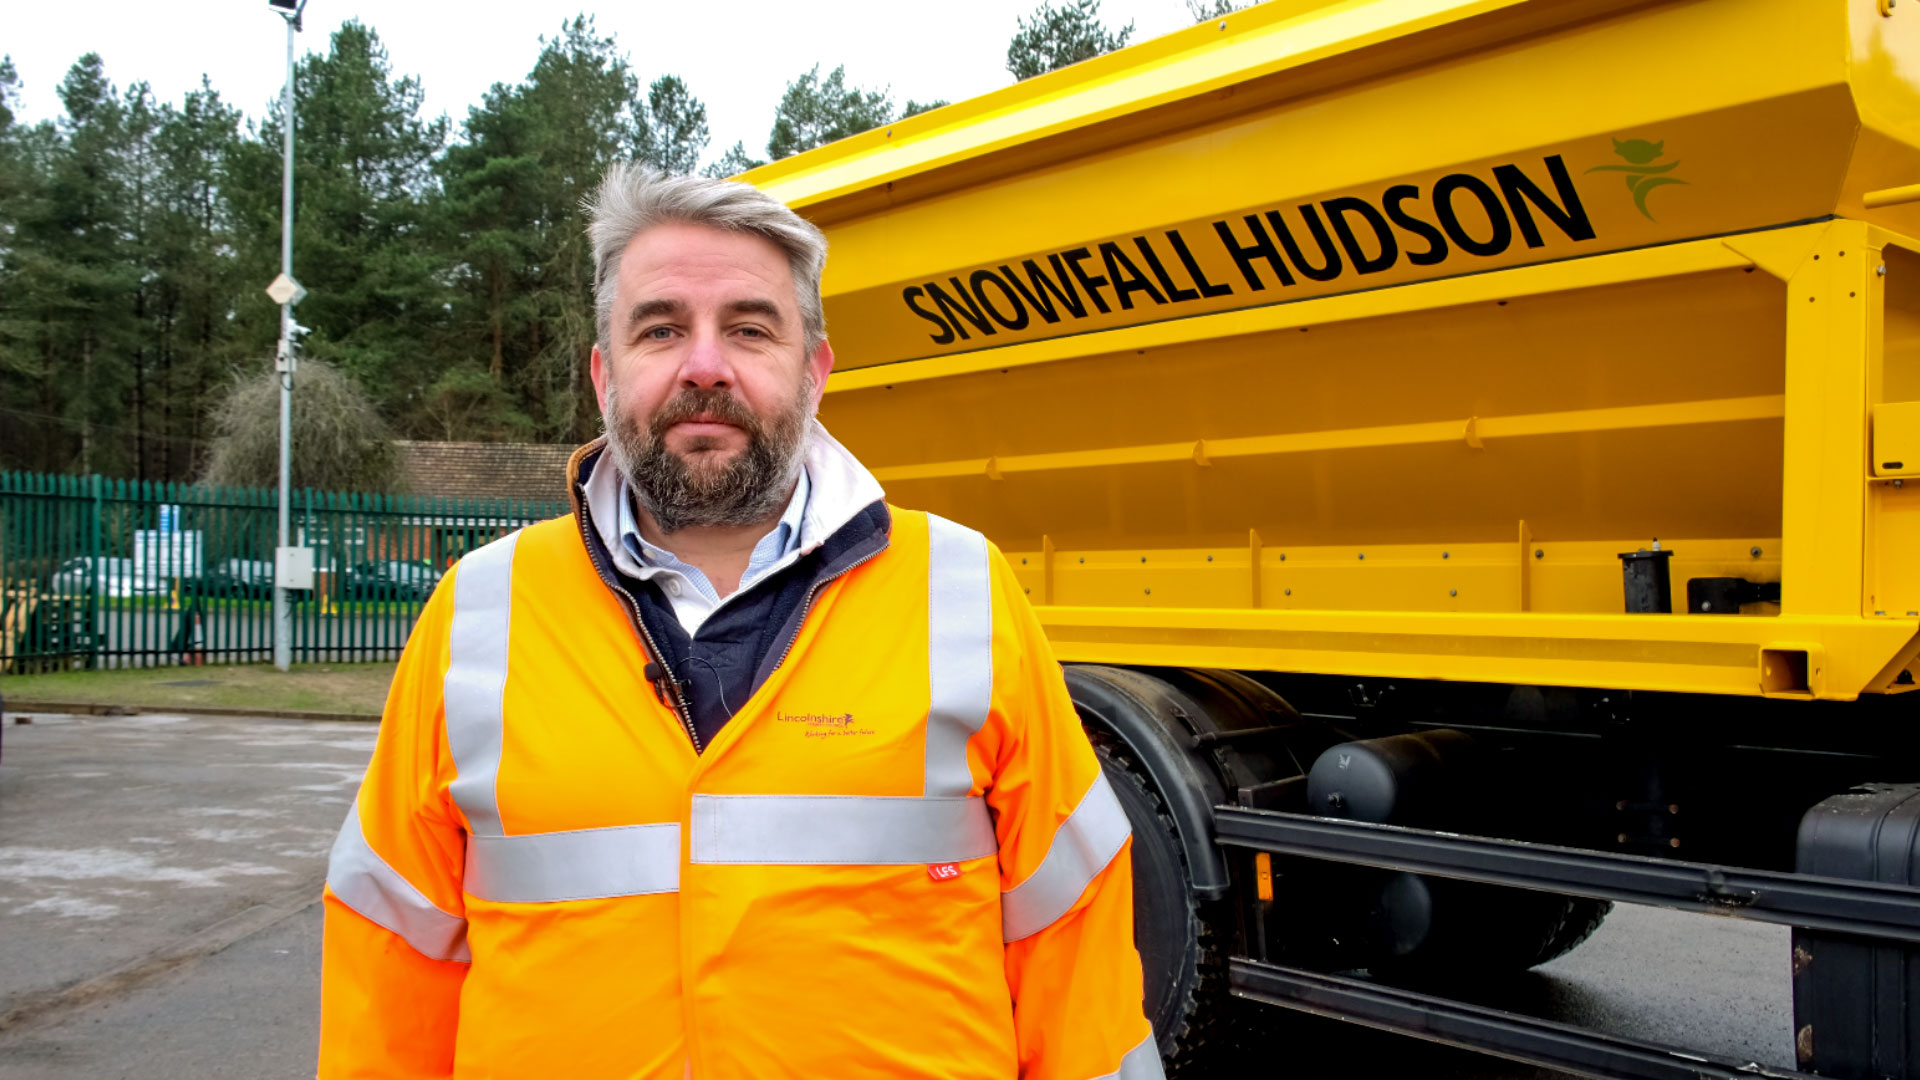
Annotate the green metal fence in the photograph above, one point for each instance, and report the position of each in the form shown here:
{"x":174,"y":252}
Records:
{"x":114,"y":573}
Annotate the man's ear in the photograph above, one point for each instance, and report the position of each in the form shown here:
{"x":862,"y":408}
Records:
{"x":597,"y":367}
{"x":820,"y":365}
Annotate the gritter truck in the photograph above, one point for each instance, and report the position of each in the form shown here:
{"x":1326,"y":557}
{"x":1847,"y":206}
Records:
{"x":1460,"y":450}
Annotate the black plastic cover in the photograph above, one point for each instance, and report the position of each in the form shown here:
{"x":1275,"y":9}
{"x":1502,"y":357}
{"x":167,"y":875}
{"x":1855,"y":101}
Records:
{"x":1856,"y":1001}
{"x":1724,"y":595}
{"x":1647,"y":580}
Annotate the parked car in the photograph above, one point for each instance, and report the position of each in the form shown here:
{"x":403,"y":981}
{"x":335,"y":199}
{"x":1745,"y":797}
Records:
{"x":235,"y":577}
{"x":103,"y":575}
{"x":240,"y":578}
{"x":391,"y":580}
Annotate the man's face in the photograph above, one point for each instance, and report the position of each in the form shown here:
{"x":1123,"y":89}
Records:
{"x":708,"y":389}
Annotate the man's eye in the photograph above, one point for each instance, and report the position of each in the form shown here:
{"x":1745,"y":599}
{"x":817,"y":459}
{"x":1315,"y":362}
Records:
{"x":753,"y":331}
{"x":657,"y":333}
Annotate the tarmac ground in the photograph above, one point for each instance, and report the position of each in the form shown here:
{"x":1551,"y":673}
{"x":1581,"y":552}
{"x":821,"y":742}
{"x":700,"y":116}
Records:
{"x":159,"y":892}
{"x":159,"y":918}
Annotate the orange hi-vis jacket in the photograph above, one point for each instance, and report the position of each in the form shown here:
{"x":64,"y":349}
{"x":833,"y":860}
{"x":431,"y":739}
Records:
{"x":899,"y":858}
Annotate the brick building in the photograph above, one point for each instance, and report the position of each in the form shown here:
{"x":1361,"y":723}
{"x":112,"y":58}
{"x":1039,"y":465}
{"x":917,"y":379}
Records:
{"x":529,"y":480}
{"x":474,"y":470}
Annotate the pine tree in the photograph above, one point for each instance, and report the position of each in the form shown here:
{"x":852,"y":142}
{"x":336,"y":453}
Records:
{"x":116,"y":264}
{"x":364,"y":192}
{"x":24,"y":432}
{"x":493,"y":200}
{"x":676,"y":129}
{"x":450,"y":283}
{"x":1207,"y":10}
{"x":732,"y":163}
{"x":1054,"y":37}
{"x":517,"y":233}
{"x":143,"y":209}
{"x":69,"y":329}
{"x":200,"y":282}
{"x":816,"y":111}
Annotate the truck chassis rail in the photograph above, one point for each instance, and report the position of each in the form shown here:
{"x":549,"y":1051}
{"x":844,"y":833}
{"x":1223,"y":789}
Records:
{"x":1862,"y":908}
{"x":1491,"y":1031}
{"x":1859,"y":909}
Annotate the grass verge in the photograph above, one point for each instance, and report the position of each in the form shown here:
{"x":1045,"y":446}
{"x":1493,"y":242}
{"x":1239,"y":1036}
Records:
{"x":335,"y":688}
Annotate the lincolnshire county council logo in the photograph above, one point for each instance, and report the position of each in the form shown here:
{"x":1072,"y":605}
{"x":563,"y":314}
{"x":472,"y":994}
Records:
{"x":823,"y":725}
{"x":1642,"y":174}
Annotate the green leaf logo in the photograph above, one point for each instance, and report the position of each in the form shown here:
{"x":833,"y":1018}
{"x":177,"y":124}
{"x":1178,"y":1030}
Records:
{"x":1642,"y":174}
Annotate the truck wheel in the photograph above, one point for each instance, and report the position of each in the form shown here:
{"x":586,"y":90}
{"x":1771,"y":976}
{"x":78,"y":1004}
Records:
{"x":1583,"y":917}
{"x":1451,"y":932}
{"x":1184,"y":965}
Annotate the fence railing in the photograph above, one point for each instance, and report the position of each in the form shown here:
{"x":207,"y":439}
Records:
{"x":97,"y":572}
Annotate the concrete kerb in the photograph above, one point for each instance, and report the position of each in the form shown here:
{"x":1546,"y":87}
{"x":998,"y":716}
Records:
{"x":213,"y":939}
{"x":96,"y":709}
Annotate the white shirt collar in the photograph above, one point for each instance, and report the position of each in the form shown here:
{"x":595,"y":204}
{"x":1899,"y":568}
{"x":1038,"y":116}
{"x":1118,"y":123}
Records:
{"x":785,"y":532}
{"x":839,"y":487}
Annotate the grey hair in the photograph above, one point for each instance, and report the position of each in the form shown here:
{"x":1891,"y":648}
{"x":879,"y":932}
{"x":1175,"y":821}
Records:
{"x":634,"y":198}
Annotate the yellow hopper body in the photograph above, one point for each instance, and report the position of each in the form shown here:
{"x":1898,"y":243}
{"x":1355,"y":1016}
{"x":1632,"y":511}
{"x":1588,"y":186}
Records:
{"x":1362,"y":338}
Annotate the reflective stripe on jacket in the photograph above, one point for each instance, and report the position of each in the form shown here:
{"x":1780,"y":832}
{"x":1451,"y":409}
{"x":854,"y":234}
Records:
{"x":898,"y":859}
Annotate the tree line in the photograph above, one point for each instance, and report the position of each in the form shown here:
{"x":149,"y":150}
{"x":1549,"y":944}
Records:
{"x":448,"y":270}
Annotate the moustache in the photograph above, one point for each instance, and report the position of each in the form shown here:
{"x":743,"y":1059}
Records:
{"x":704,"y":403}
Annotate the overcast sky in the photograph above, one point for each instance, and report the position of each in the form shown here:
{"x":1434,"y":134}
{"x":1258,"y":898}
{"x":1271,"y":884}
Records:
{"x":737,"y":56}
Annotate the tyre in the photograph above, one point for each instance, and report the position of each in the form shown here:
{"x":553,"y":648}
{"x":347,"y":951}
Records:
{"x":1583,"y":917}
{"x":1174,"y":744}
{"x":1181,"y":955}
{"x":1439,"y":931}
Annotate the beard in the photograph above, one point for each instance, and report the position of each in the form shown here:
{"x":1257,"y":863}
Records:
{"x":697,"y":490}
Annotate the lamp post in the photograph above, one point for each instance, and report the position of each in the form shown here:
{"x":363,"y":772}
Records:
{"x":288,"y":292}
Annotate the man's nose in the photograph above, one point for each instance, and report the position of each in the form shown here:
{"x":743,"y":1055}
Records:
{"x":705,"y":363}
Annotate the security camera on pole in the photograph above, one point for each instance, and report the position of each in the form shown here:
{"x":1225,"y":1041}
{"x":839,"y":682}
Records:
{"x":293,"y":567}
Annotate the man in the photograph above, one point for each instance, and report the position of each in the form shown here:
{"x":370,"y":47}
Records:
{"x":737,"y":771}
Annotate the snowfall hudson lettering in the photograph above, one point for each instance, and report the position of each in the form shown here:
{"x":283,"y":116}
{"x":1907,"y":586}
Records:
{"x":1351,"y":234}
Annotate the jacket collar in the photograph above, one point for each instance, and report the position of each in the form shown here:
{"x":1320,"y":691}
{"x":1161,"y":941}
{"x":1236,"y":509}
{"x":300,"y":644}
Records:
{"x":841,"y":489}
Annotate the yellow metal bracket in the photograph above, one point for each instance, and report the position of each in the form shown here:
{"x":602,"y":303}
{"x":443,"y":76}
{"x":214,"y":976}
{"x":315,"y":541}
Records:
{"x":1526,"y":567}
{"x":1046,"y":569}
{"x":1779,"y":252}
{"x":1793,"y":669}
{"x":1253,"y":563}
{"x":1831,"y":337}
{"x":1893,"y":196}
{"x":1887,"y":681}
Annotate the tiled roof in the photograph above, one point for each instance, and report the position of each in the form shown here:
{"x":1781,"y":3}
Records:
{"x":485,"y":470}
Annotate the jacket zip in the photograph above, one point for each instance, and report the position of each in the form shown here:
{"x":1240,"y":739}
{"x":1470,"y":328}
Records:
{"x":653,"y":648}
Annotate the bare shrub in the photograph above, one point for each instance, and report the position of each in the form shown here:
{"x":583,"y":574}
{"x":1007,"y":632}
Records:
{"x":340,"y":443}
